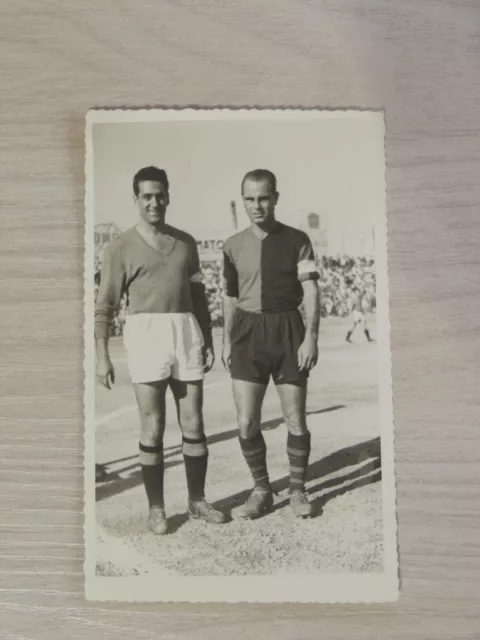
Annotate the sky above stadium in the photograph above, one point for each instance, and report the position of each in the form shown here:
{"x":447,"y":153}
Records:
{"x":334,"y":167}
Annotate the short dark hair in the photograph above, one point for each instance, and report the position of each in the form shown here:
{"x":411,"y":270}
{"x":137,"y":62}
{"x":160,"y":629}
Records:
{"x":151,"y":174}
{"x":261,"y":174}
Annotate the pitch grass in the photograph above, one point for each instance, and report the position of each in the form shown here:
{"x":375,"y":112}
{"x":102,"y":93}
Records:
{"x":344,"y":485}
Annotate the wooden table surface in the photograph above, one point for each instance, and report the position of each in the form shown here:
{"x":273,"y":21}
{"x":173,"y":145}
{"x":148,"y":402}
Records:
{"x":419,"y":59}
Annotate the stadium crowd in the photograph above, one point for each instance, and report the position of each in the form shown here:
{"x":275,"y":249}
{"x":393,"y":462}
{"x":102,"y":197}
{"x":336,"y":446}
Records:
{"x":340,"y":277}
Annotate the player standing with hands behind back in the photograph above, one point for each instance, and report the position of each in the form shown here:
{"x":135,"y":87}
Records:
{"x":269,"y":269}
{"x":167,"y":336}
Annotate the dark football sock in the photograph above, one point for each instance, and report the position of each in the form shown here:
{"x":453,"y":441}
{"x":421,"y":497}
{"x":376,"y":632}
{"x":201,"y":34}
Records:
{"x":255,"y":453}
{"x":151,"y":461}
{"x":298,"y":450}
{"x":195,"y":455}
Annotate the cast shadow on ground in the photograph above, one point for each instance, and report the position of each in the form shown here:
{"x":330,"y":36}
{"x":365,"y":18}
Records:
{"x":364,"y":455}
{"x":116,"y":484}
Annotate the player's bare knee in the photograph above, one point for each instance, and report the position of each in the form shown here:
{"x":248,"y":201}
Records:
{"x":192,"y":425}
{"x":151,"y":439}
{"x":297,"y":430}
{"x":296,"y":424}
{"x":248,"y":427}
{"x":152,"y":428}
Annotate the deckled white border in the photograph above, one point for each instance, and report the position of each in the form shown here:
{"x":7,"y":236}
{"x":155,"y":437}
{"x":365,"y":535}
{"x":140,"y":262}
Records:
{"x":302,"y":588}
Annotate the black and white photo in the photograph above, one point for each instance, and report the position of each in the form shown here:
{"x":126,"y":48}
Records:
{"x":238,"y":401}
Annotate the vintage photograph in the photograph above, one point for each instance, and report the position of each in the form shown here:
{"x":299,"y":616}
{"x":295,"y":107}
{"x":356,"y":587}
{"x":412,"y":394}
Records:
{"x":239,"y":440}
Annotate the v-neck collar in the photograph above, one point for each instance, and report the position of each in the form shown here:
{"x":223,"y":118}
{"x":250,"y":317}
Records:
{"x":164,"y":251}
{"x":268,"y":234}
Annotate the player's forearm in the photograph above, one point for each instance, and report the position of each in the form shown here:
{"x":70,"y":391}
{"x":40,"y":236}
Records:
{"x":105,"y":310}
{"x":229,"y":307}
{"x":311,"y":304}
{"x":103,"y":320}
{"x":110,"y":292}
{"x":101,"y":347}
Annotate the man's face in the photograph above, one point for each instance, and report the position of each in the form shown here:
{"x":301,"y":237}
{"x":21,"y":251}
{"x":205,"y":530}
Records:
{"x":152,"y":202}
{"x":259,"y":200}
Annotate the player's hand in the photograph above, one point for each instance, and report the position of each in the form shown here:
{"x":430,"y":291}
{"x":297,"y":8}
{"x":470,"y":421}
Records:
{"x":105,"y":372}
{"x":308,"y":353}
{"x":226,"y":356}
{"x":208,"y":358}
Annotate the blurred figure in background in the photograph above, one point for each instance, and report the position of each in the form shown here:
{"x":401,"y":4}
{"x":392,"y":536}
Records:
{"x":358,"y":315}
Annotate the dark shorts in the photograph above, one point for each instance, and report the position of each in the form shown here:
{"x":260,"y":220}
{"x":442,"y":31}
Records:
{"x":266,"y":344}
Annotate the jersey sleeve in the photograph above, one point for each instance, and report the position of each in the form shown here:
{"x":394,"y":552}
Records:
{"x":230,"y":274}
{"x":194,"y":270}
{"x":199,"y":297}
{"x":306,"y":264}
{"x":112,"y":287}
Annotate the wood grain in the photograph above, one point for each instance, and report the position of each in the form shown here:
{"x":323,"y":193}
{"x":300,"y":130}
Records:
{"x":418,"y":60}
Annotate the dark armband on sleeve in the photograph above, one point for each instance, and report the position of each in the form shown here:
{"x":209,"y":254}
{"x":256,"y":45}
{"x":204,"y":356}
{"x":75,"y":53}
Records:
{"x":306,"y":263}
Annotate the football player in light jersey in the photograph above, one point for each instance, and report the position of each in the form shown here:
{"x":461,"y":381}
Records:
{"x":167,"y":336}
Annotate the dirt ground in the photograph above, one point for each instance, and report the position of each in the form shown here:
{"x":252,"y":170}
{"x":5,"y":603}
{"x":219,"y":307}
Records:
{"x":344,"y":484}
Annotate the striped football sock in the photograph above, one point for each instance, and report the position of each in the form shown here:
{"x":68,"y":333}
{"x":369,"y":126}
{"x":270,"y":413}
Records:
{"x":195,"y":455}
{"x":298,"y":450}
{"x":151,"y":461}
{"x":255,"y":453}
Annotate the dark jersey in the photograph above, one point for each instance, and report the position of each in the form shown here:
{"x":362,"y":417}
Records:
{"x":265,"y":274}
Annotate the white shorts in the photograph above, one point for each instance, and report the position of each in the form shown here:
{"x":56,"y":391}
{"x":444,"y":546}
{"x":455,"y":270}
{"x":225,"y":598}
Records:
{"x":163,"y":345}
{"x":359,"y":318}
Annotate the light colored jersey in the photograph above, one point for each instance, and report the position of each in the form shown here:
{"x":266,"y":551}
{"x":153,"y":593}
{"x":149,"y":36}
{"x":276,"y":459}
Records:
{"x":155,"y":280}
